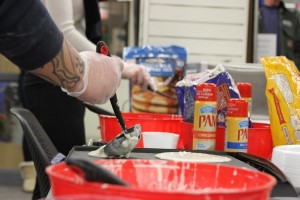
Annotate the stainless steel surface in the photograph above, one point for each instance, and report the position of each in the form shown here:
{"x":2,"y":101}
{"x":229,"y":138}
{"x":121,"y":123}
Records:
{"x":285,"y":198}
{"x":243,"y":72}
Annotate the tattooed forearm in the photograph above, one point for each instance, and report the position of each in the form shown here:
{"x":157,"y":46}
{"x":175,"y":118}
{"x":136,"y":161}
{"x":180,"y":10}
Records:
{"x":77,"y":63}
{"x":64,"y":70}
{"x":68,"y":76}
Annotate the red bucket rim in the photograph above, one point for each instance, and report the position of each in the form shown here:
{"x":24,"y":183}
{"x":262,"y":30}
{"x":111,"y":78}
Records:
{"x":267,"y":185}
{"x":152,"y":116}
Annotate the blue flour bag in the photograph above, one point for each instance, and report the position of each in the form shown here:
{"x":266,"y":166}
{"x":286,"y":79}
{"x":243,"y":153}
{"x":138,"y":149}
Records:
{"x":165,"y":65}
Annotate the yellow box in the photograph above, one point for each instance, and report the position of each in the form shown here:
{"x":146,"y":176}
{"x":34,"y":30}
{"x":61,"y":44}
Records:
{"x":11,"y":155}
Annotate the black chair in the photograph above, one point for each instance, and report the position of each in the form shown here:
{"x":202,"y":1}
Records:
{"x":42,"y":149}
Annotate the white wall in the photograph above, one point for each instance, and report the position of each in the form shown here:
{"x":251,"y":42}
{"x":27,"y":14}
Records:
{"x":215,"y":30}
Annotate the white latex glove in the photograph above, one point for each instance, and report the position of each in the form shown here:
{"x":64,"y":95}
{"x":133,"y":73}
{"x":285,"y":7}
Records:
{"x":137,"y":74}
{"x":102,"y":77}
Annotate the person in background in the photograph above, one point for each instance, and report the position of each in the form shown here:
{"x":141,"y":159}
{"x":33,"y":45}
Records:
{"x":277,"y":19}
{"x":61,"y":115}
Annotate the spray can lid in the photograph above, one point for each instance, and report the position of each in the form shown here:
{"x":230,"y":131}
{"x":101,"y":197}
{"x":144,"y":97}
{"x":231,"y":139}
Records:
{"x":237,"y":108}
{"x":206,"y":92}
{"x":245,"y":89}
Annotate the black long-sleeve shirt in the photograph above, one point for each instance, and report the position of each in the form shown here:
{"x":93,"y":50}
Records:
{"x":28,"y":36}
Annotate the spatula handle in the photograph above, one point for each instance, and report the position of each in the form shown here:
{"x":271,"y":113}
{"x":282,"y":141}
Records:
{"x":94,"y":173}
{"x":115,"y":105}
{"x":103,"y":49}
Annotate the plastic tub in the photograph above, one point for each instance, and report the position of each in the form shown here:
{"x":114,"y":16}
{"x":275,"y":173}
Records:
{"x":259,"y":139}
{"x":160,"y":140}
{"x":159,"y":179}
{"x":110,"y":128}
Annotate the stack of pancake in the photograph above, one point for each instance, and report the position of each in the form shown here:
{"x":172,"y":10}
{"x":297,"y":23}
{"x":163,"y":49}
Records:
{"x":163,"y":101}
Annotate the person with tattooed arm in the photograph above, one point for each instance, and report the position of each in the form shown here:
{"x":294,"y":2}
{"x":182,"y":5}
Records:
{"x":61,"y":115}
{"x":30,"y":39}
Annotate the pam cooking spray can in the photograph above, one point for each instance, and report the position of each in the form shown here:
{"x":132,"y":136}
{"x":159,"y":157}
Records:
{"x":205,"y":117}
{"x":236,"y":134}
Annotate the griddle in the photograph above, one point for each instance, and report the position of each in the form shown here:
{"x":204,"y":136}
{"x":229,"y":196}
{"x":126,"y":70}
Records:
{"x":283,"y":188}
{"x":80,"y":152}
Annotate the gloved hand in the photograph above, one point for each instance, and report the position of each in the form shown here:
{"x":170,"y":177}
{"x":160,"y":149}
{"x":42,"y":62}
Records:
{"x":101,"y":79}
{"x":137,"y":74}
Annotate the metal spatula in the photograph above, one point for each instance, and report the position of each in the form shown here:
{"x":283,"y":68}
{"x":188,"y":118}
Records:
{"x":116,"y":147}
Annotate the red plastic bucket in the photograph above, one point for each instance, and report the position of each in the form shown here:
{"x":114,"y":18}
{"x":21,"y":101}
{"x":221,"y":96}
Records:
{"x":259,"y":139}
{"x":159,"y":179}
{"x":110,"y":128}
